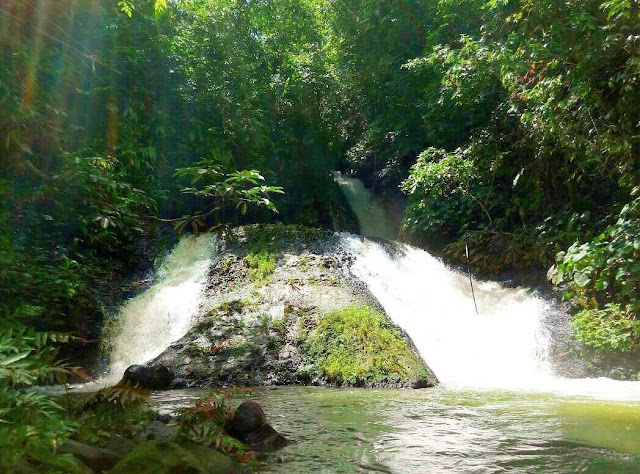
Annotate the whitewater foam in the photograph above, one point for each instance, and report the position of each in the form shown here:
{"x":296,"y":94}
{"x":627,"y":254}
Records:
{"x":505,"y":346}
{"x":148,"y":323}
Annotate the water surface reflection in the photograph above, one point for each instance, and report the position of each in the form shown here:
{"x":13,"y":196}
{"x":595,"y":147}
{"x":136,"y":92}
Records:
{"x":442,"y":430}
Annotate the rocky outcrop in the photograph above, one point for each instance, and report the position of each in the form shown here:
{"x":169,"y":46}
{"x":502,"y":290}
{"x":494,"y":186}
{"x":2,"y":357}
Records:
{"x":269,"y":293}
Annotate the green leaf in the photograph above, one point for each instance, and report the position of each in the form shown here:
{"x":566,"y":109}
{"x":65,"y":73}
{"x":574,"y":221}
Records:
{"x":11,"y":359}
{"x":582,"y":278}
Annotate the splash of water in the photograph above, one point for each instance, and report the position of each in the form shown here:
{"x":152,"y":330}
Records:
{"x":506,"y":346}
{"x":148,"y":323}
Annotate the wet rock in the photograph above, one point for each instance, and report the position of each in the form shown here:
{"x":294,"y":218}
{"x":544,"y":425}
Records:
{"x":119,"y":444}
{"x":423,"y":383}
{"x":248,"y":417}
{"x":265,"y":438}
{"x":157,"y":430}
{"x":166,"y":418}
{"x":249,"y":425}
{"x":96,"y":458}
{"x":161,"y":457}
{"x":150,"y":376}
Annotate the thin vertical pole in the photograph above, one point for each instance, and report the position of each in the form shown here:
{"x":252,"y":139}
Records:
{"x":473,"y":293}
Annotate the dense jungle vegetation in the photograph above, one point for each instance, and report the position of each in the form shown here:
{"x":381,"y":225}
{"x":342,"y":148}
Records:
{"x":512,"y":125}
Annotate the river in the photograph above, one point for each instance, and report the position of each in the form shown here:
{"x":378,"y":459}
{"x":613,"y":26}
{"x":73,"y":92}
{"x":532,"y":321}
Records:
{"x":442,"y":430}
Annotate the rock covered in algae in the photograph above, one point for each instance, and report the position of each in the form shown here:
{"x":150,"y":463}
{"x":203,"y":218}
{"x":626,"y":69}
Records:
{"x":161,"y":457}
{"x":282,"y":307}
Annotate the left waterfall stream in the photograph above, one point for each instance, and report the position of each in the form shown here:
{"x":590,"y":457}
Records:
{"x":148,"y":323}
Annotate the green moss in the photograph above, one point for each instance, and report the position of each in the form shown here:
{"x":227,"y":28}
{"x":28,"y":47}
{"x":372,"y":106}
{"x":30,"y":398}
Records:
{"x":234,"y":306}
{"x":228,"y":307}
{"x":279,"y":326}
{"x":608,"y":329}
{"x":244,"y":348}
{"x":357,"y":343}
{"x":262,"y":263}
{"x":159,"y":457}
{"x":275,"y":343}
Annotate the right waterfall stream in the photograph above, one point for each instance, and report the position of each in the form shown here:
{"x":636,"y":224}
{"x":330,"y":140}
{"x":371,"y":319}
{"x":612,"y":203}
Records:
{"x":504,"y":346}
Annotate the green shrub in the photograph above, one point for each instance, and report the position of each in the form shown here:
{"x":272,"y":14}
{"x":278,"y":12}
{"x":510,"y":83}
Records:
{"x":357,"y":343}
{"x":611,"y":328}
{"x":32,"y":425}
{"x":438,"y":187}
{"x":609,"y":264}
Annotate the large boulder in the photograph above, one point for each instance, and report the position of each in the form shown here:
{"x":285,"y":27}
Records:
{"x":258,"y":327}
{"x":150,"y":376}
{"x":248,"y":417}
{"x":250,"y":426}
{"x":161,"y":457}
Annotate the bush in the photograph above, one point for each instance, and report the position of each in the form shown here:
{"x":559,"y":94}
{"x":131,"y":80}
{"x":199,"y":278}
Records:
{"x":439,"y":193}
{"x":608,"y":329}
{"x":607,"y":266}
{"x":32,"y":425}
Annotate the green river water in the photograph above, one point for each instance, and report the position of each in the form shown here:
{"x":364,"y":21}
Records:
{"x":442,"y":430}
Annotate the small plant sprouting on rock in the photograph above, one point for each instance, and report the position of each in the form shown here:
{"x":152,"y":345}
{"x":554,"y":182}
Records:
{"x":279,"y":326}
{"x":261,"y":265}
{"x":264,"y":324}
{"x":233,"y":306}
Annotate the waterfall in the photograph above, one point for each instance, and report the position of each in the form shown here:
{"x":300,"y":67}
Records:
{"x":371,"y":214}
{"x":148,"y":323}
{"x":505,"y":346}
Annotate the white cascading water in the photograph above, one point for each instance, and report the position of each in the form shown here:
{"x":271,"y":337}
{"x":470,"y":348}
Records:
{"x":148,"y":323}
{"x":434,"y":305}
{"x":371,"y":215}
{"x":505,"y":346}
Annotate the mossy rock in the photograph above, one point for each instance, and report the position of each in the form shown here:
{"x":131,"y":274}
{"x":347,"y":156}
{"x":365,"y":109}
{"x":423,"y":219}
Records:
{"x":357,"y":345}
{"x":161,"y":457}
{"x":283,"y":330}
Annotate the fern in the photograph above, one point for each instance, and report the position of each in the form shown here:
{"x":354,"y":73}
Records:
{"x":32,"y":425}
{"x":204,"y":422}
